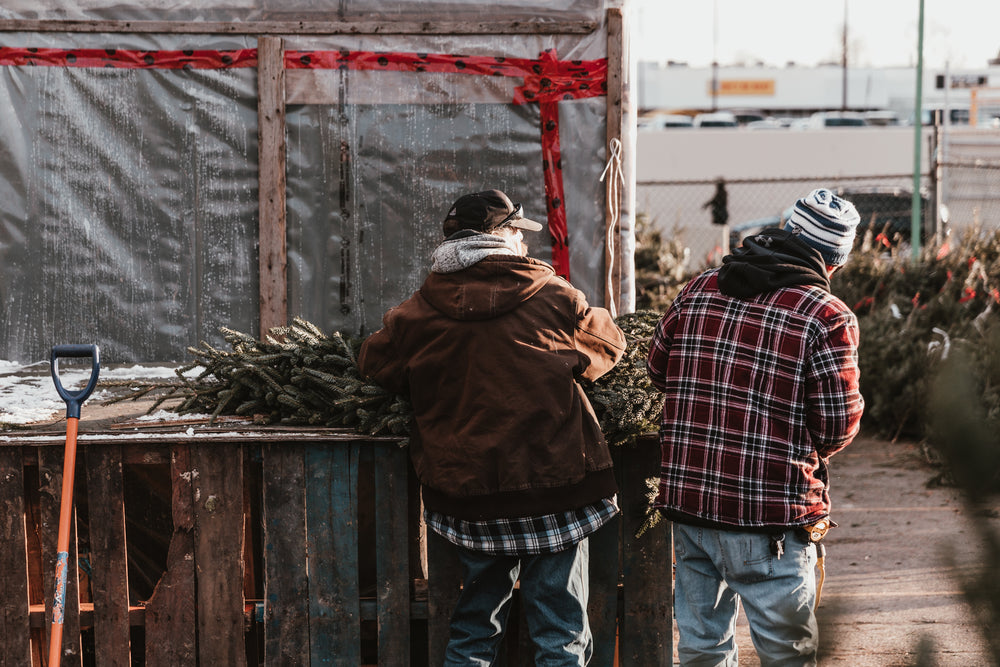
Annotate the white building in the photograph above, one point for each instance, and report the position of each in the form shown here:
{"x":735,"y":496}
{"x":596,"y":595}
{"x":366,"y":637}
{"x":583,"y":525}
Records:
{"x":799,"y":91}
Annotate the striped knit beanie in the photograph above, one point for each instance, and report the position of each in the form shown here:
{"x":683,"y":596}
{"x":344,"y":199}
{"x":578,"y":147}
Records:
{"x":827,"y":223}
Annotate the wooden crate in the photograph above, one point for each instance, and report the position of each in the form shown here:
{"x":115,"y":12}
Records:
{"x":281,"y":548}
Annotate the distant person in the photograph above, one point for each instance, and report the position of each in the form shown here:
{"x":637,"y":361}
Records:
{"x":719,"y":203}
{"x":513,"y":466}
{"x":758,"y":364}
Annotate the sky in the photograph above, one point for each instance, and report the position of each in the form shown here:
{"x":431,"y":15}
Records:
{"x":958,"y":34}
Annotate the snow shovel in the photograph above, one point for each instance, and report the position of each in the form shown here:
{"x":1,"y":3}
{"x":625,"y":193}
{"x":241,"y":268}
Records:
{"x":74,"y":399}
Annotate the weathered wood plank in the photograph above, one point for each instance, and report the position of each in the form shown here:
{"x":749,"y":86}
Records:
{"x":444,"y":579}
{"x":617,"y":69}
{"x":391,"y":469}
{"x":50,"y":474}
{"x":218,"y":551}
{"x":109,"y":574}
{"x":171,"y":624}
{"x":526,"y":26}
{"x":645,"y":630}
{"x":332,"y":538}
{"x":418,"y":536}
{"x":602,"y":608}
{"x":273,"y":257}
{"x":15,"y":631}
{"x":286,"y":584}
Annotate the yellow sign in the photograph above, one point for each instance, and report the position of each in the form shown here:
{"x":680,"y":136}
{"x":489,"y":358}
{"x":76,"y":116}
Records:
{"x":745,"y":87}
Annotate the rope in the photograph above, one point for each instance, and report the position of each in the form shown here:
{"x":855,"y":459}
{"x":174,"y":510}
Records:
{"x":614,"y":184}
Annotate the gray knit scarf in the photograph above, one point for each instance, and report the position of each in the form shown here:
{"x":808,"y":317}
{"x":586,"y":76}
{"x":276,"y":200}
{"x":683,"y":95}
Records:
{"x":461,"y":252}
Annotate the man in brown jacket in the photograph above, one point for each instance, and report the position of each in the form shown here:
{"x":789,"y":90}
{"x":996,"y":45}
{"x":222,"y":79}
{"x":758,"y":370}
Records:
{"x":513,"y":466}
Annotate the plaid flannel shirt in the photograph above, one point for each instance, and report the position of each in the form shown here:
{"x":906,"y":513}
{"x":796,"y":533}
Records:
{"x":759,"y":393}
{"x":524,"y":536}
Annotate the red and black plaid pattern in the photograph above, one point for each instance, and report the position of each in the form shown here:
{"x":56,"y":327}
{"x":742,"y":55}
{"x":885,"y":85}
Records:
{"x":759,"y":393}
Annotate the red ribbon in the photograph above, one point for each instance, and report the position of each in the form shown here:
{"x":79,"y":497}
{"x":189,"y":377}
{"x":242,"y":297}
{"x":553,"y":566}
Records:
{"x":123,"y":59}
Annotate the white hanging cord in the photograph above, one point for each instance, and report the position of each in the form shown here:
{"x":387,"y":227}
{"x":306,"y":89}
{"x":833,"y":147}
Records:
{"x":614,"y":184}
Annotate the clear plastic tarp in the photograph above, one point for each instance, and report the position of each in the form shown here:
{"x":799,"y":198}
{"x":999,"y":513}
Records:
{"x":130,"y":214}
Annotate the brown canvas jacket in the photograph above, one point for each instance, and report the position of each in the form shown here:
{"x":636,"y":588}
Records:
{"x":490,"y":357}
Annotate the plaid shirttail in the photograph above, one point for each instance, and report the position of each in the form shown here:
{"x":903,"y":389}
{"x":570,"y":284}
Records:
{"x":759,"y":393}
{"x":523,"y":536}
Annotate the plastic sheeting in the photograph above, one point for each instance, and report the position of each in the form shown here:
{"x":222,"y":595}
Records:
{"x":130,"y":215}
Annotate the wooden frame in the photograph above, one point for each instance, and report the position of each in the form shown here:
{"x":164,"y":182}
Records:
{"x":525,"y":26}
{"x":273,"y":255}
{"x":616,"y":101}
{"x":271,"y":112}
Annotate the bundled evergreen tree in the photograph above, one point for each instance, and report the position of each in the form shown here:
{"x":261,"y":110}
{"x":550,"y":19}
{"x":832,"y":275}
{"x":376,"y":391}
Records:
{"x":626,"y":402}
{"x":299,"y":375}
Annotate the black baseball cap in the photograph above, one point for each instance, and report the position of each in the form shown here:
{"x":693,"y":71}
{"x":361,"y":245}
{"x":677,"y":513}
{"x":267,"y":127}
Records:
{"x":486,"y":211}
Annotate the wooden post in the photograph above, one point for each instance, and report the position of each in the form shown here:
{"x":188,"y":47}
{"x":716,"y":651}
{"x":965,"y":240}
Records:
{"x":15,"y":631}
{"x":286,"y":582}
{"x":218,"y":553}
{"x":615,"y":116}
{"x":645,"y":630}
{"x":109,"y":580}
{"x":391,"y":470}
{"x":602,"y":608}
{"x":50,"y":474}
{"x":171,"y":618}
{"x":271,"y":151}
{"x":331,"y":475}
{"x":444,"y":583}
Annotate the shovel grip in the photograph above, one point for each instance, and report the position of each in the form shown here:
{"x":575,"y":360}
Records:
{"x":74,"y":399}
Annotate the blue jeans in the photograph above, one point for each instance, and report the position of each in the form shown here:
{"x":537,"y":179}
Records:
{"x":554,"y":589}
{"x":717,"y":569}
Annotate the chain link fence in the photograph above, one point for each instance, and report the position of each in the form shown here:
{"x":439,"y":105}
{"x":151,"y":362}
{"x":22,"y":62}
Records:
{"x":965,"y":178}
{"x":968,"y":178}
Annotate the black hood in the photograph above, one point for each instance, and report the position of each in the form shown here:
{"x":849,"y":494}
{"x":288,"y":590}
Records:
{"x":770,"y":260}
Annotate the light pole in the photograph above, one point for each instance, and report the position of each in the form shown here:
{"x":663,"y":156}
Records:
{"x":917,"y":141}
{"x":843,"y":62}
{"x":715,"y":56}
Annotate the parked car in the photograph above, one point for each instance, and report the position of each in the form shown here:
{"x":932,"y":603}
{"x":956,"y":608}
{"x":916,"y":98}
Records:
{"x":716,"y":119}
{"x":837,"y":119}
{"x":881,"y":117}
{"x":886,"y":209}
{"x":935,"y":114}
{"x":882,"y":209}
{"x":665,"y":121}
{"x":766,"y":124}
{"x":747,"y":116}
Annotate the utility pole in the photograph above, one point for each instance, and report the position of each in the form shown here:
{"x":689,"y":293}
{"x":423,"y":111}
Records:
{"x":918,"y":127}
{"x":843,"y":62}
{"x":715,"y":55}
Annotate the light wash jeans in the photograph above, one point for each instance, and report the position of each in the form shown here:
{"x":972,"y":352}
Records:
{"x":717,"y":569}
{"x":554,"y":590}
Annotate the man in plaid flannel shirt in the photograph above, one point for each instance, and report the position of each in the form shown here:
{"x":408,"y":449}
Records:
{"x":758,"y":364}
{"x":513,"y":466}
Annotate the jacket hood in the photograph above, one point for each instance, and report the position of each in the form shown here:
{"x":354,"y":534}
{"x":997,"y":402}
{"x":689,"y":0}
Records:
{"x":770,"y":260}
{"x":487,"y":289}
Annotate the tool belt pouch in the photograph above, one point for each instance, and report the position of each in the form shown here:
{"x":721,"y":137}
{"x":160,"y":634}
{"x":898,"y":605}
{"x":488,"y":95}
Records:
{"x":817,"y":531}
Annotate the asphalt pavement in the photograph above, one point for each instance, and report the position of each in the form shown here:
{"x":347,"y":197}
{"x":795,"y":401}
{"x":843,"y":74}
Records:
{"x":895,"y":565}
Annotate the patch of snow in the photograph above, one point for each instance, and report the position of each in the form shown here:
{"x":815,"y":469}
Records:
{"x":167,"y":416}
{"x":28,"y":393}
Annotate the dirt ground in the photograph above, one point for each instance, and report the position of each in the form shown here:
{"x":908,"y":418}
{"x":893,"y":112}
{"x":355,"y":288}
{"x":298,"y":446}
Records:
{"x":894,"y":564}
